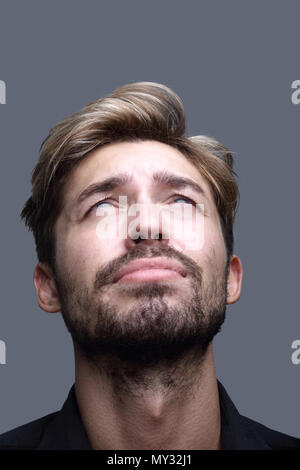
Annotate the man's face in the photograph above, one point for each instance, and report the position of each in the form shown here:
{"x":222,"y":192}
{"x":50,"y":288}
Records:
{"x":156,"y":315}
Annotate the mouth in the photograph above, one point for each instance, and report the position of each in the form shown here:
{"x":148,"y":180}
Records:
{"x":149,"y":270}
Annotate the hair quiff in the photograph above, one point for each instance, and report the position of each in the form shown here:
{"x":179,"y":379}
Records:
{"x":137,"y":111}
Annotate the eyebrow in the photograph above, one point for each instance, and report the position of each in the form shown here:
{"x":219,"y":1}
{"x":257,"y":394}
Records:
{"x":121,"y":179}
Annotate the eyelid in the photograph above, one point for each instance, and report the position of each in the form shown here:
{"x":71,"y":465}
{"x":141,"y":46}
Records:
{"x":98,"y":202}
{"x":184,"y":197}
{"x":107,"y":198}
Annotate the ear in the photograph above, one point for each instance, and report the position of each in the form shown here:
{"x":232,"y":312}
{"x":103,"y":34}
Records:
{"x":46,"y":292}
{"x":234,"y":280}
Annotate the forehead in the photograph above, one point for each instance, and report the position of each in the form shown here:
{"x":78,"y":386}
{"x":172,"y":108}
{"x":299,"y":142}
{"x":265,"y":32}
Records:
{"x":141,"y":159}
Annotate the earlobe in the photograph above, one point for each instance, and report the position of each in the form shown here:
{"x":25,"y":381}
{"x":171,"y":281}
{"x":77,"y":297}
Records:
{"x":234,"y":280}
{"x":46,"y":291}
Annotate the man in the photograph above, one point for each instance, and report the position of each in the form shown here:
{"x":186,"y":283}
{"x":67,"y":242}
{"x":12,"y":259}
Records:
{"x":142,"y":307}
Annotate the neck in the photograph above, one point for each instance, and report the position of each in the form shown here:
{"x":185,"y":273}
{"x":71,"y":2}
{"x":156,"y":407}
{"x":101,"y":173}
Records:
{"x":170,"y":406}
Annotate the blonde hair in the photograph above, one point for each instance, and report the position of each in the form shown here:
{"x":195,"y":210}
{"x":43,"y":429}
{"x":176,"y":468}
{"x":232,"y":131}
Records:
{"x":133,"y":112}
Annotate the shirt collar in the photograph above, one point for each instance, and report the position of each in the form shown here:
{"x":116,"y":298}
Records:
{"x":235,"y":431}
{"x":66,"y":431}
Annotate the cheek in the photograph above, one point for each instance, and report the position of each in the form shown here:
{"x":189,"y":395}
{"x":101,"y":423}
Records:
{"x":185,"y":227}
{"x":81,"y":252}
{"x":203,"y":236}
{"x":206,"y":246}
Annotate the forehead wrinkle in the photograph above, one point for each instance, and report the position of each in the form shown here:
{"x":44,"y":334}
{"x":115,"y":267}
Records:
{"x":121,"y":179}
{"x":164,"y":177}
{"x":108,"y":184}
{"x":177,"y":181}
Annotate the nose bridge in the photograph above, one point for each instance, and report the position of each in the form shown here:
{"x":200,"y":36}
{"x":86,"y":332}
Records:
{"x":145,"y":215}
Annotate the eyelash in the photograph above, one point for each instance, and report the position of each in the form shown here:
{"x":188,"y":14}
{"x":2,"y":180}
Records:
{"x":178,"y":196}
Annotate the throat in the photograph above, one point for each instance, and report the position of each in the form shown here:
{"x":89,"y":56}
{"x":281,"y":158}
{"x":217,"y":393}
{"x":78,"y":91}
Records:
{"x":163,"y":408}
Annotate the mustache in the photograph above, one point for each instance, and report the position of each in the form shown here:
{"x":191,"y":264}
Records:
{"x":107,"y":273}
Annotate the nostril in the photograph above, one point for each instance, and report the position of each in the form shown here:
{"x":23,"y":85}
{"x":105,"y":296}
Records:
{"x":139,"y":238}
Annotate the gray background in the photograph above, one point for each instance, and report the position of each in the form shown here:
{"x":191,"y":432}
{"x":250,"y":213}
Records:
{"x":232,"y":63}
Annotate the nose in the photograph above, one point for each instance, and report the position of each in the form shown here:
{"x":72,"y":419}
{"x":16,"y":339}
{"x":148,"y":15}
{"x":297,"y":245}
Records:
{"x":145,"y":224}
{"x":147,"y":241}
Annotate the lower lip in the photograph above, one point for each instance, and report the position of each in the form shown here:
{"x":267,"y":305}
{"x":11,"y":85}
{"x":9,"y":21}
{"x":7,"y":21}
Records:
{"x":147,"y":275}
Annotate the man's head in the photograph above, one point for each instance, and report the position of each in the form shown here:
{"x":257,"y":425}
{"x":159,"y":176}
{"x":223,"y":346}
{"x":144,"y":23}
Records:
{"x":134,"y":141}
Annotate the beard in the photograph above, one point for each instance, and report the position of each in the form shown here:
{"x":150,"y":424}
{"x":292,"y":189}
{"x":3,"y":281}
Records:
{"x":164,"y":320}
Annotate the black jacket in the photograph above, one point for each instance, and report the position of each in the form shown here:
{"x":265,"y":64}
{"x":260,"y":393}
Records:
{"x":63,"y":430}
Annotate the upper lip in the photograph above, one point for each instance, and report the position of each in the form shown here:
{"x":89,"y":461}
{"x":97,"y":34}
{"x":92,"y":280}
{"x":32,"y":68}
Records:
{"x":148,"y":263}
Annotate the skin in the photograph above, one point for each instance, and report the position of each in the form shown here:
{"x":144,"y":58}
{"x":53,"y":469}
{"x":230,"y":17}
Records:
{"x":152,"y":417}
